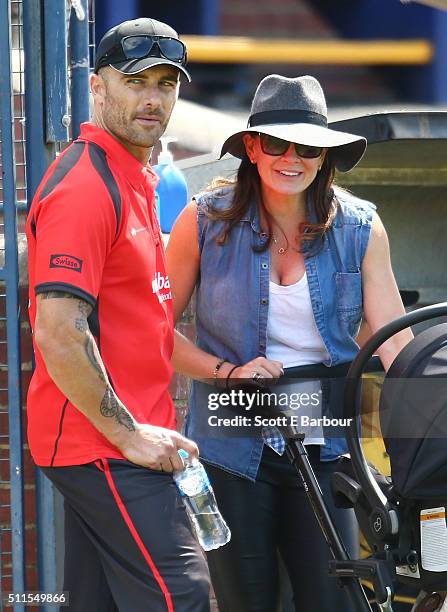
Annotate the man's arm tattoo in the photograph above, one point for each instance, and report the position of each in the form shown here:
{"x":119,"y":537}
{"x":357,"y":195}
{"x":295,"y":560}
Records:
{"x":84,"y":307}
{"x":111,"y":407}
{"x":81,"y":325}
{"x":91,"y":355}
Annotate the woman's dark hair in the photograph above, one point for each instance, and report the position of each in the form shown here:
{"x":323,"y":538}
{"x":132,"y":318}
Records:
{"x":248,"y":187}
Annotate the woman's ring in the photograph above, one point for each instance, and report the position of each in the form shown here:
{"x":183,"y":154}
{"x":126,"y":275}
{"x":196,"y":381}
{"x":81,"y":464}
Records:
{"x":257,"y":376}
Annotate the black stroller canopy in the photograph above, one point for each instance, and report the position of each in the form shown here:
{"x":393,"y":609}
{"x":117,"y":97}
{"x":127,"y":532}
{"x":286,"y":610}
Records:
{"x":413,"y":417}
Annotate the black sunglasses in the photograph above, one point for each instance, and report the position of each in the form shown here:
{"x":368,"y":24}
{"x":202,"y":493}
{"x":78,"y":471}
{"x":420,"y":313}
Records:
{"x":138,"y":47}
{"x":271,"y":145}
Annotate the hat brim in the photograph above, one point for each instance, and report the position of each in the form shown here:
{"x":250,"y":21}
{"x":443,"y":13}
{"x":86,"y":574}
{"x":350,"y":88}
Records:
{"x":348,"y":149}
{"x":135,"y":66}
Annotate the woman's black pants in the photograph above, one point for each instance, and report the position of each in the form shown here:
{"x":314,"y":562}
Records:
{"x":271,"y":516}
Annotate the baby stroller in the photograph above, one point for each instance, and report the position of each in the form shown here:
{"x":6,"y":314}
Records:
{"x":402,"y":517}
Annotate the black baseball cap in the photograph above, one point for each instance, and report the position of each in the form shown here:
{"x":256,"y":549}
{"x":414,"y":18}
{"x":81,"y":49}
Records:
{"x":133,"y":46}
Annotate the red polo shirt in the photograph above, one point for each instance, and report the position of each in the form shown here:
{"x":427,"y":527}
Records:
{"x":93,"y":231}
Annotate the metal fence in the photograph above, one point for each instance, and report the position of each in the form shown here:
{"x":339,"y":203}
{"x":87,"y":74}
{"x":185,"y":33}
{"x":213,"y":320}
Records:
{"x":12,"y":188}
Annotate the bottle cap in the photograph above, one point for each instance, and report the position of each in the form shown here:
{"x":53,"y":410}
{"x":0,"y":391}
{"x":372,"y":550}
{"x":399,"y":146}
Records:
{"x":183,"y":454}
{"x":165,"y":156}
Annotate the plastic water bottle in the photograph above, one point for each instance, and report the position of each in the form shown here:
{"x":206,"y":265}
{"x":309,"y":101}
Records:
{"x":172,"y":189}
{"x":198,"y":496}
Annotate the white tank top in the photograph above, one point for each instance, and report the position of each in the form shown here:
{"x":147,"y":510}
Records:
{"x":292,"y":335}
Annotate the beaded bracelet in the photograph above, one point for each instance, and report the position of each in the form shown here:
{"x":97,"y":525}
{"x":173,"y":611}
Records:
{"x":219,"y":364}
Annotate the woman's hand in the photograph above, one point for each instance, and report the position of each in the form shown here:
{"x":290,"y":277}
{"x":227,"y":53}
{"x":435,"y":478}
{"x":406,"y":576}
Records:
{"x":258,"y":369}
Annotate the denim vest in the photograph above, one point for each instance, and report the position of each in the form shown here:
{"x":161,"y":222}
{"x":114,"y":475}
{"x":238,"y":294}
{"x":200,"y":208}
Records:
{"x":232,"y":297}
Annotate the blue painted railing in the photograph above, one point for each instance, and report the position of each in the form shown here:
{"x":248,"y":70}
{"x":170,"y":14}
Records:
{"x":9,"y":276}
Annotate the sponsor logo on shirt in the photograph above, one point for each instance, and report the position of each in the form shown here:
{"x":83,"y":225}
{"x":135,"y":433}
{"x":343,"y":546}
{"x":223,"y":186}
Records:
{"x":69,"y":262}
{"x":136,"y":230}
{"x":161,"y":286}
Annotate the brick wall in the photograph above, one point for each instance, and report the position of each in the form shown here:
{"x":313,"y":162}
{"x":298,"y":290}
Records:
{"x":284,"y":18}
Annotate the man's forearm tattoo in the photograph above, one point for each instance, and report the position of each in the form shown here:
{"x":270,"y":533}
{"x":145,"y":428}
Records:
{"x":90,"y":347}
{"x":111,"y":407}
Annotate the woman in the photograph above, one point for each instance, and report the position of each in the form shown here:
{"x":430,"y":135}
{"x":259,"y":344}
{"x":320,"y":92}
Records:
{"x":284,"y":265}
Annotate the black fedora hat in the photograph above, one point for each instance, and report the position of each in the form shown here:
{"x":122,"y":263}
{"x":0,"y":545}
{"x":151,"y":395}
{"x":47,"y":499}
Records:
{"x":132,"y":46}
{"x":295,"y":110}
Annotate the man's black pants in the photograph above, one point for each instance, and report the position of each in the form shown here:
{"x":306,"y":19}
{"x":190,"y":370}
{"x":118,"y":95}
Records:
{"x":129,"y":545}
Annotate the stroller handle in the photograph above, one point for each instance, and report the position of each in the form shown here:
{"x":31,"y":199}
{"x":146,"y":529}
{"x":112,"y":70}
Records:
{"x":362,"y":472}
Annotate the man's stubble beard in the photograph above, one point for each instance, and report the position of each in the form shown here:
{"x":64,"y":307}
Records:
{"x":124,"y":128}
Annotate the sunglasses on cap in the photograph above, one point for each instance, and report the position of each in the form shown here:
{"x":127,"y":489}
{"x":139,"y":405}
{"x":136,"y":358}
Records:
{"x":138,"y":47}
{"x":271,"y":145}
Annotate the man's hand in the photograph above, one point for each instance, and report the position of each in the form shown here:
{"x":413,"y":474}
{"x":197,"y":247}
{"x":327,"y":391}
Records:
{"x":157,"y":448}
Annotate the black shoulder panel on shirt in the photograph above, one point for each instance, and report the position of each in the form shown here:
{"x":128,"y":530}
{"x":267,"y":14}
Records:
{"x":99,"y":161}
{"x":66,"y":163}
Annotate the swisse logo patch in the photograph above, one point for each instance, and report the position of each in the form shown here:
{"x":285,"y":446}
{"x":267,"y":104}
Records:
{"x":61,"y":260}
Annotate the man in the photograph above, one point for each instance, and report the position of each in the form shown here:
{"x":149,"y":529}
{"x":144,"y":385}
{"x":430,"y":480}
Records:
{"x":101,"y":423}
